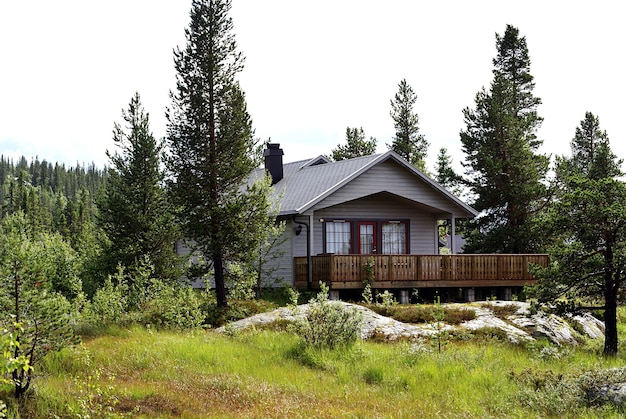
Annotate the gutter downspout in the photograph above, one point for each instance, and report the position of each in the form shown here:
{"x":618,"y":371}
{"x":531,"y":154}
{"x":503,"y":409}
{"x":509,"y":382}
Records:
{"x":309,"y":260}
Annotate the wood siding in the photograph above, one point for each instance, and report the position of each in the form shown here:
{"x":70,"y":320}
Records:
{"x":389,"y":177}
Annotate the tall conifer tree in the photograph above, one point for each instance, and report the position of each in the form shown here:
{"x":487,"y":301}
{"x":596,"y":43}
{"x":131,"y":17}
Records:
{"x":408,"y":142}
{"x":504,"y":170}
{"x":212,"y":146}
{"x":445,"y":174}
{"x":587,"y":226}
{"x":134,"y":210}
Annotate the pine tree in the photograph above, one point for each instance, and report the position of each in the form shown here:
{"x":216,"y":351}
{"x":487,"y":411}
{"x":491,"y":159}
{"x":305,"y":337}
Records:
{"x":134,"y":210}
{"x":213,"y":151}
{"x":504,"y":171}
{"x":407,"y":142}
{"x":356,"y":145}
{"x":587,"y":224}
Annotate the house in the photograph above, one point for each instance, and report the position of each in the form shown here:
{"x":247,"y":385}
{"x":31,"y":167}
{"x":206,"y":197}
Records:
{"x":381,"y":215}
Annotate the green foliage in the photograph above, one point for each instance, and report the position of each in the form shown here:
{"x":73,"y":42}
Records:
{"x":159,"y":304}
{"x":30,"y":270}
{"x":263,"y":373}
{"x":10,"y":364}
{"x":213,"y":150}
{"x":587,"y":223}
{"x":367,"y":294}
{"x":418,"y":313}
{"x":407,"y":141}
{"x":445,"y":174}
{"x":134,"y":210}
{"x":368,"y":271}
{"x":269,"y":242}
{"x":505,"y":174}
{"x":95,"y":397}
{"x":557,"y":394}
{"x":441,"y":336}
{"x":294,"y":296}
{"x":109,"y":304}
{"x":173,"y":307}
{"x":241,"y":282}
{"x":356,"y":145}
{"x":328,"y":324}
{"x":386,"y":300}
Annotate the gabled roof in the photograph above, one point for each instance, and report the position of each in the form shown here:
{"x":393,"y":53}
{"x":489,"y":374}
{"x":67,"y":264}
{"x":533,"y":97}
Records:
{"x":307,"y":182}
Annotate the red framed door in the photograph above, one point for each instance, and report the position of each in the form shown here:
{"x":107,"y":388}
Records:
{"x":367,"y":237}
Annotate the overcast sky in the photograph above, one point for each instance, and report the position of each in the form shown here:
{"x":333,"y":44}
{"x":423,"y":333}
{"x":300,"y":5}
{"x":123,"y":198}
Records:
{"x":313,"y":68}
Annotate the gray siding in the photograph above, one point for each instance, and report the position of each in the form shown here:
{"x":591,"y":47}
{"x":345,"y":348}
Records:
{"x":282,"y":266}
{"x":422,"y":225}
{"x":391,"y":177}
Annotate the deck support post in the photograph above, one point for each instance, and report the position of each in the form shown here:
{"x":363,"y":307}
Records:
{"x":508,"y":294}
{"x":470,"y":295}
{"x":333,"y":295}
{"x":404,"y":296}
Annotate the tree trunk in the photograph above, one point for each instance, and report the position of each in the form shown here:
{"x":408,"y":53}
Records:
{"x":610,"y":320}
{"x":220,"y":284}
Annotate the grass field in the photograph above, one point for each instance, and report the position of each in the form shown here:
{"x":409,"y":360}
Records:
{"x":136,"y":372}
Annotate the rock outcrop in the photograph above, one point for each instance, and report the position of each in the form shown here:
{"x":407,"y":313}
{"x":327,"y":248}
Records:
{"x":520,"y":325}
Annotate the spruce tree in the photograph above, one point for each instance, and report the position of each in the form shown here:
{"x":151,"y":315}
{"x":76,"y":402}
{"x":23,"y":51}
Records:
{"x":356,"y":145}
{"x":213,"y":151}
{"x":504,"y":171}
{"x":445,"y":174}
{"x":134,"y":209}
{"x":407,"y":142}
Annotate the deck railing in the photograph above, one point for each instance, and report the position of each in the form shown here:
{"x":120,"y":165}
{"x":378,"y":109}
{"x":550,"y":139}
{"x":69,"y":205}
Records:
{"x":349,"y":271}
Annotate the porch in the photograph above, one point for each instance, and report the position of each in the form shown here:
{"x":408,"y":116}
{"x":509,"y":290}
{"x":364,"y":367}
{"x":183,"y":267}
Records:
{"x":418,"y":271}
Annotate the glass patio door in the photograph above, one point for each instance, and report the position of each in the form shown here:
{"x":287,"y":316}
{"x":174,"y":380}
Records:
{"x":367,"y":238}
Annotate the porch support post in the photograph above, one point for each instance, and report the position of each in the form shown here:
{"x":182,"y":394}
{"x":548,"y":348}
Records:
{"x":309,"y":242}
{"x":452,"y":234}
{"x":310,"y":251}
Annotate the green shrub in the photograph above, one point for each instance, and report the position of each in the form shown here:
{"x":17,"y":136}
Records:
{"x":453,"y":315}
{"x":417,"y":314}
{"x":328,"y":324}
{"x":173,"y":307}
{"x":109,"y":304}
{"x":490,"y":333}
{"x":501,"y":311}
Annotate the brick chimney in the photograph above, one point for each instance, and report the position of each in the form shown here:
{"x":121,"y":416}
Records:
{"x":273,"y":155}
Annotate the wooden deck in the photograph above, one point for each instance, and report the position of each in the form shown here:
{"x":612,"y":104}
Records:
{"x":420,"y":271}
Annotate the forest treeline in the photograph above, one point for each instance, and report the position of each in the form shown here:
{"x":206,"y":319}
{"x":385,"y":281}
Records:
{"x":54,"y":197}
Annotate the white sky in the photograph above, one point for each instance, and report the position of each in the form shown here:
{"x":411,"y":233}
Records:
{"x":313,"y":68}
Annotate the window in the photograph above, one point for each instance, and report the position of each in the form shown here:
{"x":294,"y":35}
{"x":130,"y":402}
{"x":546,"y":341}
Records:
{"x":394,"y":237}
{"x":338,"y":237}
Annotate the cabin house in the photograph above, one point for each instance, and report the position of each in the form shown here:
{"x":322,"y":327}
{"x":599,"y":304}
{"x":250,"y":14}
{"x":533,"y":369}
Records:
{"x":376,"y":219}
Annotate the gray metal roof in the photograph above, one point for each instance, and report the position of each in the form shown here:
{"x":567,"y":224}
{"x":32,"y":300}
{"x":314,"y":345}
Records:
{"x":307,"y":182}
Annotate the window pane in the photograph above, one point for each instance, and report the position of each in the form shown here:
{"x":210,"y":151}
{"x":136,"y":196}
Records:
{"x":366,"y":239}
{"x":394,"y":238}
{"x":338,"y":238}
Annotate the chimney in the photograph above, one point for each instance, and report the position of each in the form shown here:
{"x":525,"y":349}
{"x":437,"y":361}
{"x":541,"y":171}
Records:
{"x":274,"y":161}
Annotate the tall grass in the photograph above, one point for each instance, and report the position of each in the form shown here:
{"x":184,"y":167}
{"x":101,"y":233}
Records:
{"x":140,"y":373}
